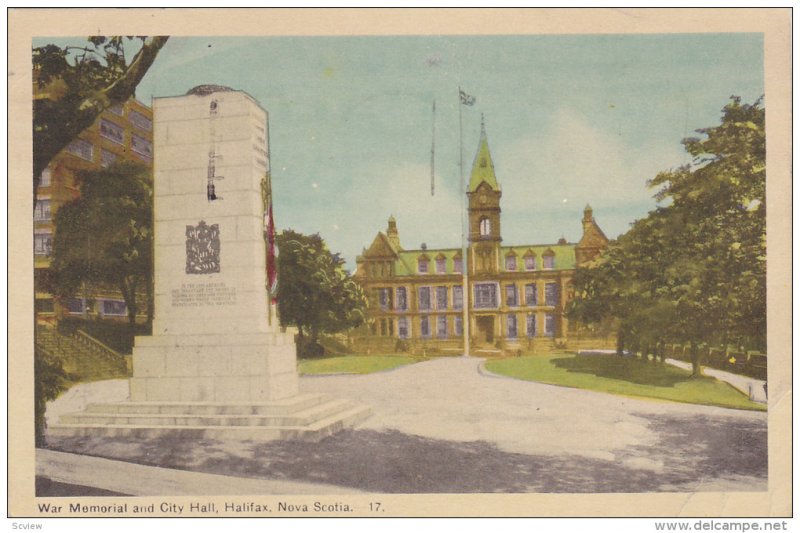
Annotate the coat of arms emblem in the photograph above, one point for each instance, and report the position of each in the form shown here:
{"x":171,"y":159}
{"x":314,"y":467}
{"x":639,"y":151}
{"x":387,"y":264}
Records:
{"x":202,"y":248}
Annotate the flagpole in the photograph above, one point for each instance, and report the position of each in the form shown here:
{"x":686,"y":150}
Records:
{"x":464,"y":283}
{"x":433,"y":145}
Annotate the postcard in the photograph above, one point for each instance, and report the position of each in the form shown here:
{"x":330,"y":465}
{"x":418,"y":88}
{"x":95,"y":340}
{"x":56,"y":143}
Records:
{"x":400,"y":263}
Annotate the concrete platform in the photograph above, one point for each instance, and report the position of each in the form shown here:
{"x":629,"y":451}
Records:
{"x":308,"y":417}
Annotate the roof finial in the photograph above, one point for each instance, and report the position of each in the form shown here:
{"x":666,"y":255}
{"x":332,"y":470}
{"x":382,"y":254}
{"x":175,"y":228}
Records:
{"x":483,"y":126}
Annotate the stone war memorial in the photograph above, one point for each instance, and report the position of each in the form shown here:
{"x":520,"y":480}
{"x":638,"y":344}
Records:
{"x":218,"y":364}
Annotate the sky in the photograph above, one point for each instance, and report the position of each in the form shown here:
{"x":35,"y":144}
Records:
{"x":570,"y":119}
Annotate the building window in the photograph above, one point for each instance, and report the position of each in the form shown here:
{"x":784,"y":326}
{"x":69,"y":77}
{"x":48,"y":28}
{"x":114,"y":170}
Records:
{"x":530,"y":262}
{"x":41,"y":212}
{"x":551,"y":294}
{"x":402,"y":328}
{"x":511,"y":296}
{"x":117,"y":109}
{"x":485,"y":295}
{"x":140,"y":121}
{"x":107,"y":158}
{"x":385,"y":299}
{"x":213,"y":107}
{"x":485,"y":227}
{"x":531,"y":295}
{"x":75,"y":306}
{"x":548,"y":262}
{"x":45,"y":178}
{"x":511,"y":326}
{"x":441,"y":265}
{"x":424,"y":298}
{"x":425,"y":326}
{"x":458,"y":265}
{"x":459,"y":325}
{"x":531,"y":325}
{"x":114,"y":308}
{"x":441,"y":327}
{"x":44,"y":305}
{"x":549,"y":325}
{"x":402,"y":299}
{"x":511,"y":263}
{"x":422,"y":265}
{"x":82,"y":149}
{"x":111,"y":131}
{"x":142,"y":146}
{"x":43,"y":244}
{"x":441,"y":297}
{"x":458,"y":297}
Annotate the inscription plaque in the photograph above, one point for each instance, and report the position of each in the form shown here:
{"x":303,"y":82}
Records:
{"x":203,"y":294}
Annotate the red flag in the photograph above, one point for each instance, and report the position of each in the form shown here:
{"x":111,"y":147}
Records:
{"x":272,"y":270}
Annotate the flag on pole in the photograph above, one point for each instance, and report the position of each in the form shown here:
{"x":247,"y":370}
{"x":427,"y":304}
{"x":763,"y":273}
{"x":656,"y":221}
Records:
{"x":272,"y":267}
{"x":465,"y":98}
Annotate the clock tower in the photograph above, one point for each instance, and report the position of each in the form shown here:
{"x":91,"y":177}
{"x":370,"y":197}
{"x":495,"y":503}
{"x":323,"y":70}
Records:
{"x":484,"y":210}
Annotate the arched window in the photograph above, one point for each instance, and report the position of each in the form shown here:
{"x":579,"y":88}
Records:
{"x":485,"y":227}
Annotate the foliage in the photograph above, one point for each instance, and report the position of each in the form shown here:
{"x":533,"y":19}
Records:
{"x":694,"y":270}
{"x":314,"y":291}
{"x":105,"y":237}
{"x":624,"y":376}
{"x":49,"y":381}
{"x":76,"y":84}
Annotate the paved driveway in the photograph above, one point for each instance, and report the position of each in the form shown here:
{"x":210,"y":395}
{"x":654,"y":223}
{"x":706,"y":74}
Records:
{"x":446,"y":426}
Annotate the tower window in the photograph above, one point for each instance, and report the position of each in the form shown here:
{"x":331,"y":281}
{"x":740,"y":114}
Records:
{"x":485,"y":227}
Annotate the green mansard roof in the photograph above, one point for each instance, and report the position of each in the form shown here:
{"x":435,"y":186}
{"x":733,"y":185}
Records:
{"x":482,"y":167}
{"x":564,"y":257}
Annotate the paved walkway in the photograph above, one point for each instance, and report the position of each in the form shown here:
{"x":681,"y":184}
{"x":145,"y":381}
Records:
{"x":752,"y":387}
{"x":444,"y":426}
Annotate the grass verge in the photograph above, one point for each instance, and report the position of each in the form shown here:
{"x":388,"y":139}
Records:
{"x":354,"y":364}
{"x":625,"y":376}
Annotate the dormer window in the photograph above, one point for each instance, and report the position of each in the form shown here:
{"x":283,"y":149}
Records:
{"x":530,"y":262}
{"x":441,"y":264}
{"x":485,"y":227}
{"x":549,"y":260}
{"x":422,"y":265}
{"x":458,"y":265}
{"x":511,"y":263}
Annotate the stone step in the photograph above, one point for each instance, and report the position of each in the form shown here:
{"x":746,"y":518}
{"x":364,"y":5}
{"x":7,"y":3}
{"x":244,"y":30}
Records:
{"x":300,"y":418}
{"x":278,"y":407}
{"x":313,"y":432}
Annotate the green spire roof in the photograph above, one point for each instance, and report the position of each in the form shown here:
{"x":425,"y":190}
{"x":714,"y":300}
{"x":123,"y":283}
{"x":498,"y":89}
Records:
{"x":482,"y":167}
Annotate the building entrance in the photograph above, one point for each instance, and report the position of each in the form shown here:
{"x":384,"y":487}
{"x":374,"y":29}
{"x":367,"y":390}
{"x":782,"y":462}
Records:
{"x":485,"y":329}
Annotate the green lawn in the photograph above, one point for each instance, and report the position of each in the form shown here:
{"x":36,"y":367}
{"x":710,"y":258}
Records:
{"x":354,"y":364}
{"x":618,"y":375}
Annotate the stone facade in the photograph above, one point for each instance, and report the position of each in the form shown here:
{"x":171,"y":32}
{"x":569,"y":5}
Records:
{"x":517,"y":294}
{"x":213,"y":336}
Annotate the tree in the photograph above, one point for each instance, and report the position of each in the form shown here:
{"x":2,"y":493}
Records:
{"x":79,"y":84}
{"x":693,"y":271}
{"x":50,"y":381}
{"x":106,"y":235}
{"x":314,"y":291}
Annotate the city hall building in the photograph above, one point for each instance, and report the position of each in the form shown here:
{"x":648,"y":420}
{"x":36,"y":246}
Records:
{"x":516,"y":294}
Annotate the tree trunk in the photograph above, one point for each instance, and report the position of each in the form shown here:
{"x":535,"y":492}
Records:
{"x":620,"y":342}
{"x":694,"y":354}
{"x":661,"y":349}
